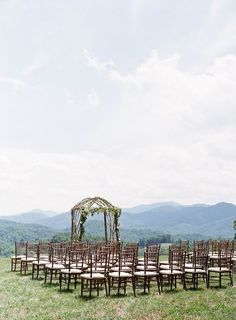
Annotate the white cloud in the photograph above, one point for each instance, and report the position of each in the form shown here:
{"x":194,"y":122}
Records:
{"x":17,"y":83}
{"x":95,"y":63}
{"x":143,"y":127}
{"x":69,"y":98}
{"x":93,"y":99}
{"x":39,"y":62}
{"x":172,"y":137}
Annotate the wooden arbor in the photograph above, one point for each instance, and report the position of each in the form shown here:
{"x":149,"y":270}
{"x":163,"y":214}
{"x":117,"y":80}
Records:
{"x":91,"y":206}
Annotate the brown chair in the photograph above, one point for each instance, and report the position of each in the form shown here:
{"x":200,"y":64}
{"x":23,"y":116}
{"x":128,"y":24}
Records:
{"x":120,"y":276}
{"x":20,"y":248}
{"x":128,"y":261}
{"x":94,"y":276}
{"x":57,"y":262}
{"x":223,"y":270}
{"x":42,"y":259}
{"x":196,"y":270}
{"x":73,"y":269}
{"x":30,"y":256}
{"x":174,"y":271}
{"x":145,"y":275}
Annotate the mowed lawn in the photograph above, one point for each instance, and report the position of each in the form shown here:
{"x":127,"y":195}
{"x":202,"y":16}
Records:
{"x":23,"y":298}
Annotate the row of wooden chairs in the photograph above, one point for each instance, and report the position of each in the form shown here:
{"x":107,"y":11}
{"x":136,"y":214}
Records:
{"x":111,"y":266}
{"x":199,"y":265}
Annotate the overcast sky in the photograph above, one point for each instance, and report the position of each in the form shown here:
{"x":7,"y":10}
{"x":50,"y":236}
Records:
{"x":131,"y":100}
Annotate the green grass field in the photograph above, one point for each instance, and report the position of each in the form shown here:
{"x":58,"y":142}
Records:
{"x":23,"y":298}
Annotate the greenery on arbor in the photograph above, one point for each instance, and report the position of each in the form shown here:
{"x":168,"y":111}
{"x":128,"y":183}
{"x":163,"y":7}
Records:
{"x":90,"y":206}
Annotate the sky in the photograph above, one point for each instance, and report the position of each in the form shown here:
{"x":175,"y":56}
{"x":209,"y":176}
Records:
{"x":130,"y":100}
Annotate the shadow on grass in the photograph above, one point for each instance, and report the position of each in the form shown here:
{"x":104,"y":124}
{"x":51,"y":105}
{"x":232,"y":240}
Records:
{"x":87,"y":297}
{"x":48,"y":285}
{"x":66,"y":291}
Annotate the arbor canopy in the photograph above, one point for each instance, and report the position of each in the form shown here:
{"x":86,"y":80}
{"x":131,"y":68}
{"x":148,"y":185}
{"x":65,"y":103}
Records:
{"x":90,"y":206}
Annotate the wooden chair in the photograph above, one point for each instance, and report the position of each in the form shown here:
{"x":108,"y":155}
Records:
{"x":42,"y":259}
{"x":176,"y":248}
{"x":120,"y":276}
{"x":73,"y":268}
{"x":153,"y":251}
{"x":145,"y":275}
{"x":30,"y":256}
{"x":95,"y":277}
{"x":174,"y":272}
{"x":128,"y":262}
{"x":222,"y":270}
{"x":20,"y":249}
{"x":196,"y":270}
{"x":57,"y":262}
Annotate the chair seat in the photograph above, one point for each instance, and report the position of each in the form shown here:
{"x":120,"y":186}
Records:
{"x":125,"y":264}
{"x":121,"y":275}
{"x":94,"y":276}
{"x":40,"y":262}
{"x":195,"y":271}
{"x":218,"y":269}
{"x":148,"y":268}
{"x":191,"y":266}
{"x":169,"y":272}
{"x":124,"y":269}
{"x":28,"y":259}
{"x":97,"y":270}
{"x":167,"y":262}
{"x":149,"y":263}
{"x":213,"y":257}
{"x":167,"y":267}
{"x":79,"y":265}
{"x":18,"y":257}
{"x":71,"y":271}
{"x":54,"y":266}
{"x":44,"y":256}
{"x":147,"y":274}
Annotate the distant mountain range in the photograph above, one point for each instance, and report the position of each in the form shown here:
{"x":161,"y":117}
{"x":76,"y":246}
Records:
{"x":207,"y":220}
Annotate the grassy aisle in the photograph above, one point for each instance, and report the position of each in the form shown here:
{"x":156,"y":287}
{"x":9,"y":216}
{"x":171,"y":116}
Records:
{"x":23,"y":298}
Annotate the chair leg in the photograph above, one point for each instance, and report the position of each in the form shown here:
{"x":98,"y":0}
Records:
{"x":21,"y":266}
{"x":149,"y":280}
{"x":45,"y":277}
{"x":208,"y":279}
{"x":51,"y":274}
{"x":68,"y":284}
{"x":158,"y":284}
{"x":144,"y":284}
{"x":184,"y":282}
{"x":75,"y":280}
{"x":90,"y":288}
{"x":82,"y":287}
{"x":119,"y":284}
{"x":125,"y":282}
{"x":109,"y":286}
{"x":161,"y":281}
{"x":60,"y":280}
{"x":231,"y":278}
{"x":133,"y":284}
{"x":105,"y":283}
{"x":171,"y":282}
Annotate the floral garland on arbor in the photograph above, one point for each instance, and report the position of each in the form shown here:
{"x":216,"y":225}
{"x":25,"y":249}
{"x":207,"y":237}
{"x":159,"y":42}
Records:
{"x":85,"y":208}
